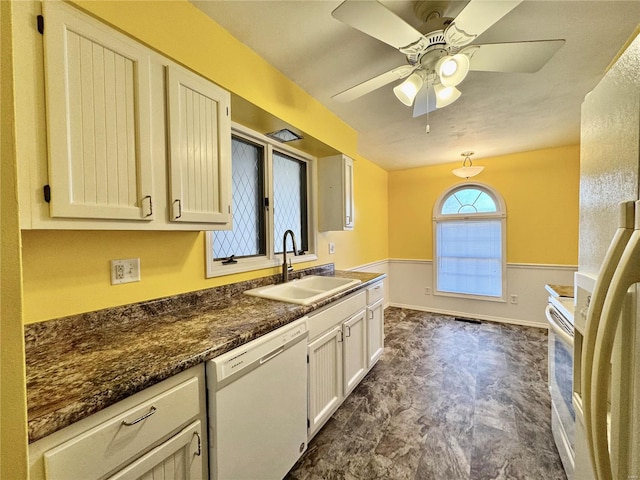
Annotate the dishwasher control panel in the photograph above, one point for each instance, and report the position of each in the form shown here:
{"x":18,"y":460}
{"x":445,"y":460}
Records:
{"x":259,"y":351}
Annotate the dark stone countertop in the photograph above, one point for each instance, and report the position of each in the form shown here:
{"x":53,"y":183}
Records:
{"x":79,"y":365}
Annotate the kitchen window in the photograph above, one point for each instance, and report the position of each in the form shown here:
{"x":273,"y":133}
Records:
{"x":271,"y":185}
{"x":470,"y":248}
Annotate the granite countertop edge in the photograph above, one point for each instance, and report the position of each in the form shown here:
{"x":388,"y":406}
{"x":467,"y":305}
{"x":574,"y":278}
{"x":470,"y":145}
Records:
{"x":73,"y":377}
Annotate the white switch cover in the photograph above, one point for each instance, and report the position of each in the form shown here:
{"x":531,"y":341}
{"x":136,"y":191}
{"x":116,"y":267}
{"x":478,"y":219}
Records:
{"x":125,"y":271}
{"x":332,"y":248}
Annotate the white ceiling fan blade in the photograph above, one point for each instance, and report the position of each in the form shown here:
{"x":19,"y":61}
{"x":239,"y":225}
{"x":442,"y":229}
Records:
{"x":425,"y":101}
{"x":525,"y":57}
{"x":378,"y":21}
{"x":475,"y":18}
{"x":374,"y":83}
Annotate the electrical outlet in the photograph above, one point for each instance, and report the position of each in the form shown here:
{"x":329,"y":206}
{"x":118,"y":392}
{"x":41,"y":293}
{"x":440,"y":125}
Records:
{"x":125,"y":271}
{"x":427,"y":290}
{"x":332,"y":248}
{"x":119,"y":271}
{"x":514,"y":299}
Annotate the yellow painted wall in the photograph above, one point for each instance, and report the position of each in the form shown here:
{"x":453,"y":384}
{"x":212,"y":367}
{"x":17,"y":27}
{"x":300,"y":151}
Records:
{"x":540,"y":189}
{"x":67,"y":272}
{"x":13,"y":399}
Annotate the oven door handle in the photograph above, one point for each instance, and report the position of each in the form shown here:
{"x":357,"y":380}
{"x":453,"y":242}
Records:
{"x":557,"y":329}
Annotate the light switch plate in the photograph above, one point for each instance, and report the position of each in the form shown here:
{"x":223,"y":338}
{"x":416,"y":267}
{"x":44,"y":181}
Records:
{"x":125,"y":271}
{"x":332,"y":248}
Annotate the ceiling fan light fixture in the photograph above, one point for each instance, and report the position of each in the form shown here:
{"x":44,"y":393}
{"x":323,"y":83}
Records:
{"x":467,"y":171}
{"x":446,"y":95}
{"x":452,"y":69}
{"x":406,"y":92}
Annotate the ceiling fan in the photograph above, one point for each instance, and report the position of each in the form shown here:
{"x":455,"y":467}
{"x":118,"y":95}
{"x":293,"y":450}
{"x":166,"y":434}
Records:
{"x":439,"y":60}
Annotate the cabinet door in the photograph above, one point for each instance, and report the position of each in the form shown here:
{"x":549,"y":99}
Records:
{"x":98,"y":119}
{"x":335,"y":193}
{"x":199,"y":149}
{"x":375,"y":332}
{"x":348,"y":193}
{"x":325,"y":377}
{"x":182,"y":457}
{"x":355,"y":350}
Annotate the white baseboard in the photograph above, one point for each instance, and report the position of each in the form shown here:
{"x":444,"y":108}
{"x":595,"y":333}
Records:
{"x":488,"y":318}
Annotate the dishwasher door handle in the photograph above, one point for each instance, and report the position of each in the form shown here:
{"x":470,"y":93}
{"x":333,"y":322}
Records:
{"x":271,"y":355}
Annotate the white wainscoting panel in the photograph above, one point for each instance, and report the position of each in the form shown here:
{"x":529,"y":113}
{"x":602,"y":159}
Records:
{"x":381,"y":266}
{"x":407,"y":280}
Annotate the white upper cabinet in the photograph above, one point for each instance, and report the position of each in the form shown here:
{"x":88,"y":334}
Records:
{"x":98,"y":119}
{"x":199,"y":148}
{"x":133,"y":141}
{"x":335,"y":192}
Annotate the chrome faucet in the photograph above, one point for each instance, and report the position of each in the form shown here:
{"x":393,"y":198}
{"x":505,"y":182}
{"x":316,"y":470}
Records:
{"x":287,"y":268}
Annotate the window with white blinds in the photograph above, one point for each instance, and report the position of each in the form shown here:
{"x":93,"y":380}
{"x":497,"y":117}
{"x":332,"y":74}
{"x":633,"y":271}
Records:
{"x":469,"y":229}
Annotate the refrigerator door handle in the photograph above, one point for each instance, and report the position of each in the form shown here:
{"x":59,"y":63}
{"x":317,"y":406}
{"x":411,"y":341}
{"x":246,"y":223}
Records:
{"x":627,"y":274}
{"x":594,"y":313}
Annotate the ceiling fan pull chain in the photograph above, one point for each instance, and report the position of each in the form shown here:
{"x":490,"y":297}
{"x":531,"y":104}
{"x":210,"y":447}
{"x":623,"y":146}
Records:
{"x":427,"y":129}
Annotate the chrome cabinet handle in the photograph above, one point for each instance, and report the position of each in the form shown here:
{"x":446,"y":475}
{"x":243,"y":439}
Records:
{"x":139,"y":419}
{"x":150,"y":206}
{"x":348,"y":330}
{"x":199,"y":452}
{"x":179,"y":208}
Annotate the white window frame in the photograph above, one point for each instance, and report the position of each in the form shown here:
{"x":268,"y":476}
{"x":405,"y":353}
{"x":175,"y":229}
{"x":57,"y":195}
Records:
{"x":214,"y":268}
{"x":501,"y":215}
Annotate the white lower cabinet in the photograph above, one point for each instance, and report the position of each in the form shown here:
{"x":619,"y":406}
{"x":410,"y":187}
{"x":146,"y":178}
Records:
{"x":177,"y":459}
{"x":346,"y":339}
{"x":158,"y":433}
{"x":375,"y":323}
{"x":354,"y":351}
{"x":325,"y":377}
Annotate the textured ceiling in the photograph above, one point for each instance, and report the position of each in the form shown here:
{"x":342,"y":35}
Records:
{"x":497,"y":114}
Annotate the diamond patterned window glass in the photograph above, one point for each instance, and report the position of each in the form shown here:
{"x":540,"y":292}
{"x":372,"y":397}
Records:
{"x":247,"y":237}
{"x":289,"y":201}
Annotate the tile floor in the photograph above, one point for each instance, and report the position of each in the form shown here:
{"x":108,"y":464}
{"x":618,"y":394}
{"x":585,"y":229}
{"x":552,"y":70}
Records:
{"x":448,"y":400}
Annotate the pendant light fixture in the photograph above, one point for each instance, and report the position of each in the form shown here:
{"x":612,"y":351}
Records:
{"x":467,"y":171}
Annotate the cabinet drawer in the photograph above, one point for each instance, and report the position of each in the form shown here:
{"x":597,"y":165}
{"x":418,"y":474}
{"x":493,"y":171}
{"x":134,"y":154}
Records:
{"x":375,"y":293}
{"x":334,"y":314}
{"x":121,"y":439}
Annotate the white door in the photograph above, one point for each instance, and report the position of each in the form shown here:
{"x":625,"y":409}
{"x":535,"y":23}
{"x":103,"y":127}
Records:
{"x":355,"y":350}
{"x":325,"y":377}
{"x":375,"y":332}
{"x":199,"y":148}
{"x":98,"y":119}
{"x":179,"y":458}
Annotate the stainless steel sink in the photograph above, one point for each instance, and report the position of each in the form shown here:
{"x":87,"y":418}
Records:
{"x":305,"y":290}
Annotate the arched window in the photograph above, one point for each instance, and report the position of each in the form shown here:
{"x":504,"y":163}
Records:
{"x":469,"y":225}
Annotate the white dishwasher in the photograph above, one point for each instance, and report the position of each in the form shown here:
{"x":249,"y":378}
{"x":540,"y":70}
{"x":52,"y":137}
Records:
{"x":257,"y":396}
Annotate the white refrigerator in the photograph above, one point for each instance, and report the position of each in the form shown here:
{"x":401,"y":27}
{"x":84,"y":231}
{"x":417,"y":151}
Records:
{"x":606,"y":382}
